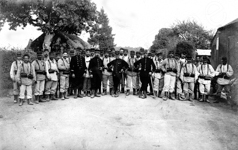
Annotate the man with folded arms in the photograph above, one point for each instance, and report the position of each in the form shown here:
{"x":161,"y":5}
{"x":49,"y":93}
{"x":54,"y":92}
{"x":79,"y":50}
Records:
{"x":52,"y":78}
{"x":39,"y":68}
{"x":26,"y":78}
{"x":189,"y":76}
{"x":225,"y":72}
{"x":206,"y":73}
{"x":63,"y":66}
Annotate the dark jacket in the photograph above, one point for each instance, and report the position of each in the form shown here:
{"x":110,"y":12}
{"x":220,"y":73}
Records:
{"x":77,"y":65}
{"x":147,"y":65}
{"x":118,"y":64}
{"x":95,"y":64}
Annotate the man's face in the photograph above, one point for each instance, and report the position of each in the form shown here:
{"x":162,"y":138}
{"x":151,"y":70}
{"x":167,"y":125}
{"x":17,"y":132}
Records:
{"x":39,"y":57}
{"x":26,"y":59}
{"x":87,"y":53}
{"x":106,"y":55}
{"x":137,"y":55}
{"x":97,"y":54}
{"x":58,"y":57}
{"x":132,"y":55}
{"x":18,"y":57}
{"x":92,"y":54}
{"x":117,"y":56}
{"x":182,"y":56}
{"x":160,"y":57}
{"x":121,"y":53}
{"x":171,"y":55}
{"x":125,"y":53}
{"x":224,"y":62}
{"x":52,"y":56}
{"x":146,"y":55}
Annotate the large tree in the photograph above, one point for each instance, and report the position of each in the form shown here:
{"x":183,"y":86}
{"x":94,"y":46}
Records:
{"x":183,"y":33}
{"x":70,"y":16}
{"x":192,"y":32}
{"x":102,"y":37}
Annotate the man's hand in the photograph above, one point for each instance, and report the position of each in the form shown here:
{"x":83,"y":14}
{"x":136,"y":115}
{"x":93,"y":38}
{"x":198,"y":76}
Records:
{"x":73,"y":75}
{"x":150,"y":73}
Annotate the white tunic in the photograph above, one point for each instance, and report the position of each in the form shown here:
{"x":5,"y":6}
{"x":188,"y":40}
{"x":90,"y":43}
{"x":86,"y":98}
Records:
{"x":224,"y":69}
{"x":206,"y":70}
{"x":51,"y":64}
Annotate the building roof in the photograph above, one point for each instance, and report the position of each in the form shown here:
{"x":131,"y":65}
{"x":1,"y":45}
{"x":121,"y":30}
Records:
{"x":203,"y":52}
{"x":230,"y":23}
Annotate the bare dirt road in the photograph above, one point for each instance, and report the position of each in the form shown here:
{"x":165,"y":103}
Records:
{"x":108,"y":123}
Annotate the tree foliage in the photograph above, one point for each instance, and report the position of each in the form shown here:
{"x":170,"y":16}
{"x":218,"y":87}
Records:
{"x":184,"y":47}
{"x":70,"y":16}
{"x":102,"y":35}
{"x":188,"y":32}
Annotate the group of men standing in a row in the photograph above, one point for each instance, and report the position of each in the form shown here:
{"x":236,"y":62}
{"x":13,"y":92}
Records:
{"x":82,"y":73}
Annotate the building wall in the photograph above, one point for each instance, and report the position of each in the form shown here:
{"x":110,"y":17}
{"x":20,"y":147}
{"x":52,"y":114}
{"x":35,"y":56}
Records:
{"x":228,"y":47}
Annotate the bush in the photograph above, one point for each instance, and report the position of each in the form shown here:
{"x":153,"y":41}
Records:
{"x":6,"y":59}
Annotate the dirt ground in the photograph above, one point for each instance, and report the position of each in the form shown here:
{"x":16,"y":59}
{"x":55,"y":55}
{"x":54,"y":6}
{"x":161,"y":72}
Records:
{"x":121,"y":123}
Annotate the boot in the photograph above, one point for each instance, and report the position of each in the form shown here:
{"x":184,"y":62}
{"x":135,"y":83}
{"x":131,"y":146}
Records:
{"x":160,"y":94}
{"x":156,"y":94}
{"x":37,"y":99}
{"x":75,"y":94}
{"x":191,"y":97}
{"x":66,"y":95}
{"x":15,"y":98}
{"x":117,"y":94}
{"x":165,"y":97}
{"x":79,"y":94}
{"x":41,"y":98}
{"x":187,"y":96}
{"x":171,"y":96}
{"x":20,"y":102}
{"x":104,"y":92}
{"x":53,"y":97}
{"x":93,"y":94}
{"x":122,"y":90}
{"x":206,"y":99}
{"x":110,"y":91}
{"x":88,"y":93}
{"x":62,"y":95}
{"x":96,"y":94}
{"x":29,"y":102}
{"x":127,"y":92}
{"x":201,"y":99}
{"x":47,"y":97}
{"x":113,"y":93}
{"x":134,"y":91}
{"x":144,"y":95}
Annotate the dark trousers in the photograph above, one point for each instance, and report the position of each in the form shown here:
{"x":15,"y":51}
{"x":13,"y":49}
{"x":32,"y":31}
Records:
{"x":96,"y":81}
{"x":116,"y":82}
{"x":145,"y":80}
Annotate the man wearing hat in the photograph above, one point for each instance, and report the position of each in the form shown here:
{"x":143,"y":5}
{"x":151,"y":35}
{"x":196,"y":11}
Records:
{"x":131,"y":74}
{"x":158,"y":75}
{"x":224,"y":73}
{"x":13,"y":74}
{"x":51,"y":69}
{"x":125,"y":57}
{"x":107,"y":74}
{"x":121,"y":53}
{"x":179,"y":84}
{"x":170,"y":67}
{"x":77,"y":68}
{"x":26,"y":78}
{"x":189,"y":75}
{"x":206,"y":73}
{"x":64,"y":69}
{"x":137,"y":70}
{"x":147,"y":67}
{"x":95,"y":67}
{"x":39,"y":68}
{"x":87,"y":75}
{"x":119,"y":66}
{"x":71,"y":54}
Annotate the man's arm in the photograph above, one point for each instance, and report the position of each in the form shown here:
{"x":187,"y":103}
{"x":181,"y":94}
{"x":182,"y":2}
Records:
{"x":230,"y":71}
{"x":12,"y":73}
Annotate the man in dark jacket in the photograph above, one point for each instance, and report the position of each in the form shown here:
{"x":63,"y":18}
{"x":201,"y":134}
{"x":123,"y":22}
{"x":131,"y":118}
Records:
{"x":77,"y":68}
{"x":147,"y":66}
{"x":95,"y":67}
{"x":119,"y":66}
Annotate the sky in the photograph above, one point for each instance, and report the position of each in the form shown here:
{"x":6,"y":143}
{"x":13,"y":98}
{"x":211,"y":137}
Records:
{"x":136,"y":22}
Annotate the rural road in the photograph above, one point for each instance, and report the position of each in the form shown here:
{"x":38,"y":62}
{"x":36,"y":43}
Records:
{"x":121,"y":123}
